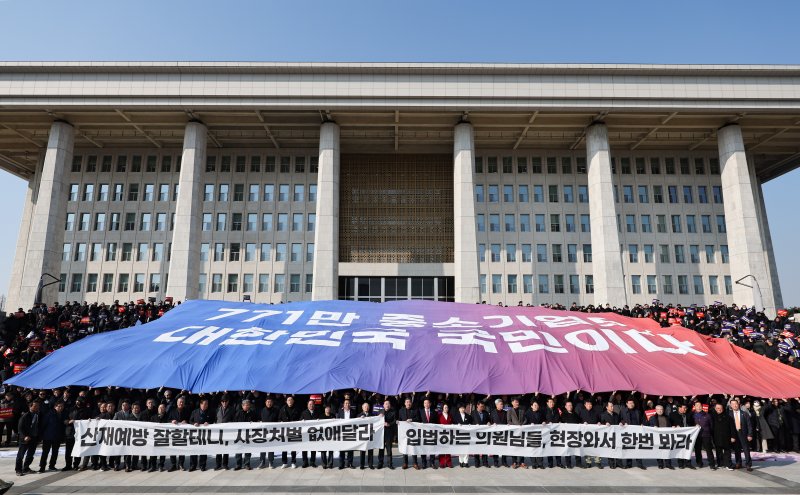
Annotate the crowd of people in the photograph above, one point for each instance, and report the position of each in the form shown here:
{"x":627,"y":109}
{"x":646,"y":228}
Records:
{"x":730,"y":427}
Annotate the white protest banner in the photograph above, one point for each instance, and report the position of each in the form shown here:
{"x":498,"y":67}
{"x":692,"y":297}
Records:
{"x":557,"y":439}
{"x":110,"y":437}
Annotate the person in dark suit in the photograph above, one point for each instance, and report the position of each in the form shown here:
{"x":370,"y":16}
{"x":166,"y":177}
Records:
{"x":225,"y":414}
{"x":200,"y":417}
{"x":428,"y":415}
{"x":52,"y":435}
{"x":29,"y":430}
{"x":480,"y":416}
{"x":551,"y":415}
{"x":310,"y":414}
{"x":681,"y":418}
{"x":178,"y":415}
{"x":744,"y":435}
{"x":629,"y":414}
{"x":245,"y":415}
{"x":368,"y":455}
{"x":661,"y":420}
{"x":346,"y":456}
{"x":499,"y":416}
{"x":611,"y":418}
{"x":589,"y":415}
{"x":569,"y":416}
{"x":289,"y":413}
{"x":389,"y":434}
{"x":462,"y":418}
{"x":410,"y":415}
{"x":327,"y":455}
{"x":724,"y":434}
{"x":535,"y":416}
{"x":269,"y":414}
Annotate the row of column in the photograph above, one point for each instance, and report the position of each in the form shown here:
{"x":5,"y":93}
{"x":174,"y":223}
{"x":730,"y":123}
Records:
{"x":750,"y":246}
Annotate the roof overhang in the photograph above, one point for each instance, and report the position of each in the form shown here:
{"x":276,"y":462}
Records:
{"x":397,"y":107}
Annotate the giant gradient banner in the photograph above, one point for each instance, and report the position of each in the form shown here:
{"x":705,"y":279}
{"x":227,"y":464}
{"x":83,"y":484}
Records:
{"x":405,"y":346}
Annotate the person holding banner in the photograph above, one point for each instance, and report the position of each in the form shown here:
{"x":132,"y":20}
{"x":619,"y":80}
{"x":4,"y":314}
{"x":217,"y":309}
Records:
{"x":289,"y":413}
{"x":516,"y":416}
{"x":270,"y":414}
{"x":629,"y":414}
{"x":609,"y":417}
{"x":366,"y":412}
{"x":661,"y":420}
{"x":179,"y":415}
{"x":346,"y":456}
{"x":445,"y":418}
{"x":225,"y":414}
{"x":481,"y":417}
{"x":327,"y":456}
{"x":551,"y":415}
{"x":682,"y":419}
{"x":499,"y":416}
{"x":245,"y":415}
{"x":590,"y":416}
{"x":428,"y":415}
{"x":568,"y":415}
{"x":462,"y":418}
{"x":535,"y":416}
{"x":200,"y":417}
{"x":310,"y":414}
{"x":411,"y":415}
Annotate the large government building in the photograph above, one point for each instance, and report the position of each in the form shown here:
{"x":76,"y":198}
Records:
{"x":501,"y":183}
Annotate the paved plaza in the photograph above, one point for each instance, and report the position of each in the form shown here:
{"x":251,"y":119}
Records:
{"x":772,"y":475}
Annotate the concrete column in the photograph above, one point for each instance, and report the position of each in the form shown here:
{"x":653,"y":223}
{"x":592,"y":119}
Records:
{"x":465,"y":254}
{"x":15,"y":282}
{"x":748,"y":233}
{"x":326,"y":235}
{"x":609,"y":283}
{"x":184,"y":267}
{"x":46,"y":228}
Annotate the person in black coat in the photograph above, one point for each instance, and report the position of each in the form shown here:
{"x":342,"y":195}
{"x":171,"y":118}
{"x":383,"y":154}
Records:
{"x":225,"y":414}
{"x":389,"y":434}
{"x":179,"y":415}
{"x":498,"y":416}
{"x":535,"y":416}
{"x":245,"y":415}
{"x":53,"y":430}
{"x":589,"y":415}
{"x":682,"y":419}
{"x":78,"y":413}
{"x":724,"y":435}
{"x":368,"y":455}
{"x":29,"y":430}
{"x":462,"y":418}
{"x":569,"y":416}
{"x":269,"y":414}
{"x":289,"y":413}
{"x":327,"y":456}
{"x":428,"y":415}
{"x":310,"y":414}
{"x":551,"y":415}
{"x":411,"y":415}
{"x":611,"y":418}
{"x":661,"y":420}
{"x":200,"y":417}
{"x":629,"y":414}
{"x":346,"y":456}
{"x":480,"y":416}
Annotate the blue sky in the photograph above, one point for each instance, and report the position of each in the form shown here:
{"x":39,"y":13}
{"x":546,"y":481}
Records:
{"x":730,"y":32}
